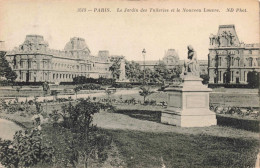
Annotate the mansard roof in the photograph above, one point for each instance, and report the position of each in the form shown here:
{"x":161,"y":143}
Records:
{"x":76,"y":43}
{"x":228,"y":31}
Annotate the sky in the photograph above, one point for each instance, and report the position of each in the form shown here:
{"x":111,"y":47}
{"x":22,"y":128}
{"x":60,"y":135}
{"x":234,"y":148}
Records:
{"x":127,"y":33}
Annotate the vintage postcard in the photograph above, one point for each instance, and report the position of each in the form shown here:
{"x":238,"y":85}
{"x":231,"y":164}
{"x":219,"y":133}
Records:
{"x":129,"y":83}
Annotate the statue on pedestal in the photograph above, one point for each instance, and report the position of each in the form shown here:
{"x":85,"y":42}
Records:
{"x":191,"y":66}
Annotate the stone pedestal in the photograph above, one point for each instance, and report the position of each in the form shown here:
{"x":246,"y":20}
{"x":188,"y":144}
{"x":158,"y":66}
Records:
{"x":188,"y":104}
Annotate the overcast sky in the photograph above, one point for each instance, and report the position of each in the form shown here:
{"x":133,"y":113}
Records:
{"x":127,"y":33}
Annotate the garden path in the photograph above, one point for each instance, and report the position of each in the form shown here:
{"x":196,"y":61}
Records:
{"x":8,"y":129}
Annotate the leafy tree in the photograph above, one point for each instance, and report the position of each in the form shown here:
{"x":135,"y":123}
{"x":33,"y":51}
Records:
{"x":79,"y":79}
{"x":92,"y":143}
{"x":133,"y":70}
{"x":149,"y":76}
{"x":115,"y":67}
{"x":5,"y":70}
{"x":145,"y":91}
{"x":253,"y":79}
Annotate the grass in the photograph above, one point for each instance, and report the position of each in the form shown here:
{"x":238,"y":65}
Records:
{"x":136,"y":149}
{"x":152,"y":149}
{"x":143,"y":149}
{"x":62,"y":138}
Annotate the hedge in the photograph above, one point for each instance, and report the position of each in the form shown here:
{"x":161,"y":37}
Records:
{"x":7,"y":83}
{"x":216,"y":85}
{"x":142,"y":114}
{"x":245,"y":124}
{"x":122,"y":85}
{"x":84,"y":80}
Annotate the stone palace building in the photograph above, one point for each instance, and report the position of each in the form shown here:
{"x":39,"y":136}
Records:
{"x":171,"y":59}
{"x":230,"y":60}
{"x":33,"y":61}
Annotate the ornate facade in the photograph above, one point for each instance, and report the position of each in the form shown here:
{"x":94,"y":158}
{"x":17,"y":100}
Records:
{"x":171,"y":59}
{"x":33,"y":61}
{"x":230,"y":60}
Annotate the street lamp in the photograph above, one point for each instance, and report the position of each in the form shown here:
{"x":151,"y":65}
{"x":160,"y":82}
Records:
{"x":143,"y":53}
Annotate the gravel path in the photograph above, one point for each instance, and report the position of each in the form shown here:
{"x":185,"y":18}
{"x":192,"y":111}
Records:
{"x":8,"y":129}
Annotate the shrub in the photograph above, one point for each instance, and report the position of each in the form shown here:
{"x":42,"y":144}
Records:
{"x":79,"y":118}
{"x":122,"y":85}
{"x":30,"y":102}
{"x":26,"y":150}
{"x":84,"y":80}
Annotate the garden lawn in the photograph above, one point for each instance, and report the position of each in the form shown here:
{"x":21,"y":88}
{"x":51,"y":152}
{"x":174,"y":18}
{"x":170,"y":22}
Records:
{"x":147,"y":149}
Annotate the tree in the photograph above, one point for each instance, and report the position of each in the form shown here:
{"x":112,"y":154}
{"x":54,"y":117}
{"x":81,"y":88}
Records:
{"x":80,"y":79}
{"x":76,"y":90}
{"x":115,"y":67}
{"x":5,"y":70}
{"x":18,"y":89}
{"x":253,"y":79}
{"x":132,"y":70}
{"x":149,"y":76}
{"x":54,"y":93}
{"x":145,"y":91}
{"x":92,"y":144}
{"x":46,"y":90}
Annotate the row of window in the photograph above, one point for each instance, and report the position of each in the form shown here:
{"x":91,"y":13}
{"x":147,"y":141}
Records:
{"x":67,"y":76}
{"x":233,"y":76}
{"x":45,"y":76}
{"x":236,"y":62}
{"x":33,"y":64}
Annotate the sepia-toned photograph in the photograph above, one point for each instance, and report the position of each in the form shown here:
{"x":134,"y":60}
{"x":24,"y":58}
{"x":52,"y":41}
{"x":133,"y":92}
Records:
{"x":129,"y":84}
